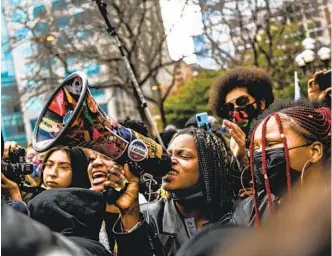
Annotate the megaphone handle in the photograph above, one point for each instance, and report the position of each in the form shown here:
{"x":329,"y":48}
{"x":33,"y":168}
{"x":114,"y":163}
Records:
{"x":102,"y":6}
{"x":111,"y":195}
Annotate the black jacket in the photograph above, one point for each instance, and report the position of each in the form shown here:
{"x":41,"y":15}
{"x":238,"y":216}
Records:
{"x":21,"y":235}
{"x":73,"y":212}
{"x":244,"y":212}
{"x":163,"y":235}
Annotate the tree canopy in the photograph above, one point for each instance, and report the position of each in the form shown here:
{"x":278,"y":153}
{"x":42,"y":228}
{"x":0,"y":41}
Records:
{"x":190,"y":99}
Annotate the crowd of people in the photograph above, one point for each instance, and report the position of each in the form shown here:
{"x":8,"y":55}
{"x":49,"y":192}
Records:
{"x":258,"y":183}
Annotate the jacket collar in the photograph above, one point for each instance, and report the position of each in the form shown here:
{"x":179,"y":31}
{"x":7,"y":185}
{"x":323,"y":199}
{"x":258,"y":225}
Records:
{"x":172,"y":222}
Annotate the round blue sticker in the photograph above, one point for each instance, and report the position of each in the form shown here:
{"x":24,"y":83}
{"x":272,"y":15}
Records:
{"x":137,"y":150}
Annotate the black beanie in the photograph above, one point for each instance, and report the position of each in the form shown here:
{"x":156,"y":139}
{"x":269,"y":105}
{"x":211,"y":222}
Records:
{"x":79,"y":165}
{"x":191,"y":121}
{"x":70,"y":211}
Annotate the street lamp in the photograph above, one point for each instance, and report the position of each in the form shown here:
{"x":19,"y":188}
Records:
{"x":324,"y":55}
{"x":306,"y":58}
{"x":309,"y":43}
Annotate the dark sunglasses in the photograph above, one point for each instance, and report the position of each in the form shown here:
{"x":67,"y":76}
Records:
{"x":241,"y":101}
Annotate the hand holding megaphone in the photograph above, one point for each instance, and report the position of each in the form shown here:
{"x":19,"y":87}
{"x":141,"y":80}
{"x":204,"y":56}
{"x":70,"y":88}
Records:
{"x":125,"y":188}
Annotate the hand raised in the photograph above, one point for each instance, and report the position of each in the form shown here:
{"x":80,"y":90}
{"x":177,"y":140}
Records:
{"x":238,"y":140}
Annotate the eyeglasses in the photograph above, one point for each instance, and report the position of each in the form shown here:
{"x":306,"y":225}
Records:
{"x":61,"y":166}
{"x":241,"y":101}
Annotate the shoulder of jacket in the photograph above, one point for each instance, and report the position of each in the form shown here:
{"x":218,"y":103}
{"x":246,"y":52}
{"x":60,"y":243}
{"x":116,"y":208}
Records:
{"x":153,"y":206}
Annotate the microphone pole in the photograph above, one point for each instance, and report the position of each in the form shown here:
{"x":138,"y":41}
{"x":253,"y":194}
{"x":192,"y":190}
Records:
{"x":102,"y":6}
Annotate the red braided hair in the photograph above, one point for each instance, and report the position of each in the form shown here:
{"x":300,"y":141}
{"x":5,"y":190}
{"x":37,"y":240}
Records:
{"x":251,"y":148}
{"x":264,"y":167}
{"x":286,"y":153}
{"x":317,"y":122}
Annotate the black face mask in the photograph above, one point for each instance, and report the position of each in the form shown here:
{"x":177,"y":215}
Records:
{"x":242,"y":116}
{"x":189,"y":193}
{"x":276,"y":171}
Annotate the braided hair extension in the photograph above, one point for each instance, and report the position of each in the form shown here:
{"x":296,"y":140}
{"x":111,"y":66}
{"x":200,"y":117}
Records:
{"x":251,"y":161}
{"x":214,"y":173}
{"x":313,"y":124}
{"x":266,"y":178}
{"x":286,"y":152}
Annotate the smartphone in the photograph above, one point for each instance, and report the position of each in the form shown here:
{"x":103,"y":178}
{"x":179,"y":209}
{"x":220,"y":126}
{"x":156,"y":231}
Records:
{"x":202,"y":120}
{"x":324,"y":80}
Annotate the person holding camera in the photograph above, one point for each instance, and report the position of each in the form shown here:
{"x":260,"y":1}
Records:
{"x":319,"y":87}
{"x":198,"y":193}
{"x":62,"y":167}
{"x":10,"y":153}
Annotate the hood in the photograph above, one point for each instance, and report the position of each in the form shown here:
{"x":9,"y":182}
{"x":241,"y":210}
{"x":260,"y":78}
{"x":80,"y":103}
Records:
{"x":70,"y":211}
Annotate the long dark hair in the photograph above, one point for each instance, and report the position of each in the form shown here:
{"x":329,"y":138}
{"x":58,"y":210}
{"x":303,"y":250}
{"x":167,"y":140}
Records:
{"x":79,"y":165}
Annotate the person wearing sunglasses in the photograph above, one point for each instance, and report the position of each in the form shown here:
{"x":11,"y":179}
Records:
{"x":238,"y":97}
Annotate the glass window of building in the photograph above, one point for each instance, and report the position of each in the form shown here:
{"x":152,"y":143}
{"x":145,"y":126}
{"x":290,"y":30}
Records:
{"x":39,"y":11}
{"x":97,"y":92}
{"x":21,"y":33}
{"x":41,"y":30}
{"x":62,"y":22}
{"x":92,"y":69}
{"x":59,"y":5}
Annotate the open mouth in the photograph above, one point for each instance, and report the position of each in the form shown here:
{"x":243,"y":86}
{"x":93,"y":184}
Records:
{"x":99,"y":177}
{"x":172,"y":173}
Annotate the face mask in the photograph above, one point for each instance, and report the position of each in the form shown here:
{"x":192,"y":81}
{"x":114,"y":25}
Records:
{"x":276,"y":171}
{"x":242,"y":116}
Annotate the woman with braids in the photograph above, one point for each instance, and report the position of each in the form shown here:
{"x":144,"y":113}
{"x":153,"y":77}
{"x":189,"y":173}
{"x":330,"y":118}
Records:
{"x":199,"y":194}
{"x":290,"y":144}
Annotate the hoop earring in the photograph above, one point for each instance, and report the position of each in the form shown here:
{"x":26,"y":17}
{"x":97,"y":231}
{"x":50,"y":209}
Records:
{"x":306,"y":165}
{"x":241,"y":179}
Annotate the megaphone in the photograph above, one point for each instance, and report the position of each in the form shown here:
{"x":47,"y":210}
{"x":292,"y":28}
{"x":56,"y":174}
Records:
{"x":71,"y":117}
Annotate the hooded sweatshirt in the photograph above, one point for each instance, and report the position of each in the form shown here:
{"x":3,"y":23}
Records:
{"x":73,"y":212}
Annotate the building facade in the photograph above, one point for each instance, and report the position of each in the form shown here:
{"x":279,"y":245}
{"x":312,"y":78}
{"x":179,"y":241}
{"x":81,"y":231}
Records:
{"x":12,"y":125}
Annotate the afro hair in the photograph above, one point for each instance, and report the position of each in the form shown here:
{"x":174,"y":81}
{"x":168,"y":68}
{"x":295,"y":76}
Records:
{"x":257,"y":81}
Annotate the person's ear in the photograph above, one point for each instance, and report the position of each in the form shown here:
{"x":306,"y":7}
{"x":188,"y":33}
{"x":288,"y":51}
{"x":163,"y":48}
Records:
{"x":316,"y":152}
{"x":262,"y":104}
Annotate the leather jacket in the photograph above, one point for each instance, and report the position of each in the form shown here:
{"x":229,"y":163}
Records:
{"x":165,"y":229}
{"x":244,"y":212}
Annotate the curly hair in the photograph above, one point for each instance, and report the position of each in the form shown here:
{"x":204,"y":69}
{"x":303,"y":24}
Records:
{"x":214,"y":171}
{"x":258,"y":83}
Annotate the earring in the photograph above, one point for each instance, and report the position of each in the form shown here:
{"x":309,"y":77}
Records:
{"x":241,"y":179}
{"x":306,"y":165}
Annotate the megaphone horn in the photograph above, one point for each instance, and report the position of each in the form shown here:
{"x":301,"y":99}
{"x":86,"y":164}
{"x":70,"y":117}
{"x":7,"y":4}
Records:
{"x":71,"y":117}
